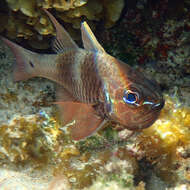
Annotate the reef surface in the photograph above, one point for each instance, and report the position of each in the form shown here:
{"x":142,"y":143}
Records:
{"x":37,"y":152}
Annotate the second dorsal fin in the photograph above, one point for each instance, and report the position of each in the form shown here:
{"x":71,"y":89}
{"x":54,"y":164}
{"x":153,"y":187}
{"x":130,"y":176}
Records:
{"x":62,"y":40}
{"x":89,"y":40}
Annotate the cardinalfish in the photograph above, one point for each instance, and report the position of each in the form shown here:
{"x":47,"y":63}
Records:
{"x":93,"y":87}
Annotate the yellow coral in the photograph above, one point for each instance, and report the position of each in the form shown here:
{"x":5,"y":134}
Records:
{"x":66,"y":5}
{"x":173,"y":126}
{"x":91,"y":10}
{"x":30,"y":18}
{"x":161,"y":142}
{"x":113,"y":10}
{"x":26,"y":138}
{"x":26,"y":7}
{"x":94,"y":10}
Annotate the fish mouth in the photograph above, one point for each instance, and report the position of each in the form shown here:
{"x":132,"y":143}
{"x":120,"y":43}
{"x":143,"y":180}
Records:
{"x":144,"y":123}
{"x":144,"y":118}
{"x":159,"y":105}
{"x":154,"y":111}
{"x":155,"y":106}
{"x":152,"y":116}
{"x":148,"y":118}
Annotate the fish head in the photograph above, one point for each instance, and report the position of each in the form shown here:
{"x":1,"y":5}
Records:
{"x":132,"y":100}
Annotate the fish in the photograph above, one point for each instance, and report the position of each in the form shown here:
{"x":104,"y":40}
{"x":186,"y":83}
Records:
{"x":92,"y":87}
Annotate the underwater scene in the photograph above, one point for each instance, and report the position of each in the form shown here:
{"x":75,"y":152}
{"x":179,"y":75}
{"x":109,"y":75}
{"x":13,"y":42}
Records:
{"x":95,"y":94}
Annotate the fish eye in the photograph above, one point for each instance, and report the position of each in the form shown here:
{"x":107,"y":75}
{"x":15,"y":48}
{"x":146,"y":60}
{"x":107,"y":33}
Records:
{"x":130,"y":97}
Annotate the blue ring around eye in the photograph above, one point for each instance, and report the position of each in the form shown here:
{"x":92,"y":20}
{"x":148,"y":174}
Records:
{"x":130,"y":98}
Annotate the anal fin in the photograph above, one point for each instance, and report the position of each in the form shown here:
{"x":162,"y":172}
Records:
{"x":83,"y":118}
{"x":62,"y":95}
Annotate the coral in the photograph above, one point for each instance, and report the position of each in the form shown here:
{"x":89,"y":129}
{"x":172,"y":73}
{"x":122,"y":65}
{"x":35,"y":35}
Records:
{"x":93,"y":10}
{"x":26,"y":7}
{"x":162,"y":141}
{"x":32,"y":138}
{"x":37,"y":140}
{"x":27,"y":20}
{"x":83,"y":161}
{"x":27,"y":138}
{"x":116,"y":174}
{"x":113,"y":10}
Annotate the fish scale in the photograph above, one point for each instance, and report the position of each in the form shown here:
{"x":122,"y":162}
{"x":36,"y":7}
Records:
{"x":91,"y":82}
{"x":93,"y":87}
{"x":77,"y":75}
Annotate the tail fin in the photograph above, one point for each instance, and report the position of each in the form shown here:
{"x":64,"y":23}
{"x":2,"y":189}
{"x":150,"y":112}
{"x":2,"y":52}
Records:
{"x":24,"y":67}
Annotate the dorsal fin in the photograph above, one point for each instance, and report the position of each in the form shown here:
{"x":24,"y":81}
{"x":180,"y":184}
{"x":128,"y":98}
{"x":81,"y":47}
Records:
{"x":89,"y":40}
{"x":62,"y":40}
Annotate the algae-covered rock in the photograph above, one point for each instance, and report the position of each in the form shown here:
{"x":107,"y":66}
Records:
{"x":37,"y":152}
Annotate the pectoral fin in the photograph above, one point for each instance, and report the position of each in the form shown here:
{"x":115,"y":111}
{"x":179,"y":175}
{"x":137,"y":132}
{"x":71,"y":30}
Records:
{"x":82,"y":117}
{"x":89,"y":40}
